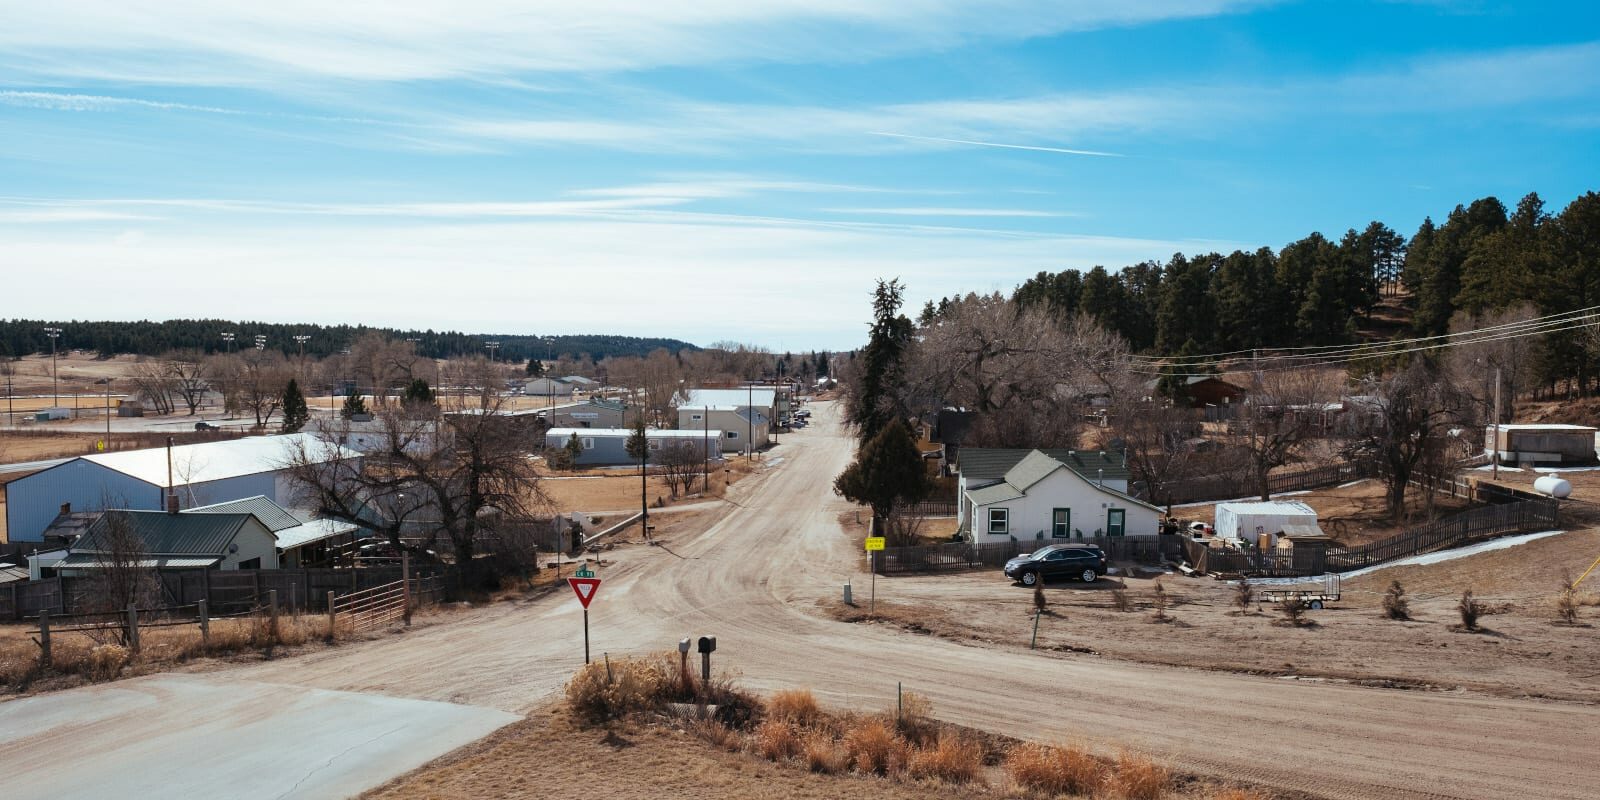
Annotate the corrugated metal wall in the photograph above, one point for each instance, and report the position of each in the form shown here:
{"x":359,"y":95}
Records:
{"x":32,"y":502}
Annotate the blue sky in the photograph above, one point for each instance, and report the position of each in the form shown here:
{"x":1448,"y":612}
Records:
{"x":735,"y":170}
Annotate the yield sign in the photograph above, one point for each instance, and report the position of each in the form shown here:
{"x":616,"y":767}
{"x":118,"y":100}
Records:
{"x":584,"y":588}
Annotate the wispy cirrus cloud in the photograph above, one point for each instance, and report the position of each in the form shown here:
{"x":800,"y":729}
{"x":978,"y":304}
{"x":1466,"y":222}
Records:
{"x":946,"y":211}
{"x":248,"y":43}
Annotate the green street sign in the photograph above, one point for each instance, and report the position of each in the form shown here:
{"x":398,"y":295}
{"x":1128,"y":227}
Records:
{"x":583,"y":572}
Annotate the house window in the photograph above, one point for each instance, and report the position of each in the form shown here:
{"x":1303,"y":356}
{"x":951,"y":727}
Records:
{"x":588,"y":444}
{"x":999,"y":521}
{"x":733,"y":434}
{"x":250,"y":563}
{"x":1060,"y":523}
{"x":655,"y":444}
{"x":696,"y":417}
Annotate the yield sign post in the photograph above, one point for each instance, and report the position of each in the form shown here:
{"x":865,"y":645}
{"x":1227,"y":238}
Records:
{"x":585,"y":587}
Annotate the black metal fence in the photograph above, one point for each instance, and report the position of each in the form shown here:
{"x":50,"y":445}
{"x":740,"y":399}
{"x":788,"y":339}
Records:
{"x":966,"y":555}
{"x":1233,"y":485}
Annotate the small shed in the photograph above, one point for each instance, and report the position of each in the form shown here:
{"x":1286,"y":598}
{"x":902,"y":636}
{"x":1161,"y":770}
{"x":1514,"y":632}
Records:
{"x":1542,"y":444}
{"x":1261,"y":523}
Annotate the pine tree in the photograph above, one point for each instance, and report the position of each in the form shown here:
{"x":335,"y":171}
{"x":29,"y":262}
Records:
{"x":887,"y":471}
{"x":535,"y":368}
{"x":574,"y":450}
{"x":638,"y":444}
{"x":295,"y":412}
{"x":876,"y":400}
{"x":417,"y":395}
{"x":353,"y":406}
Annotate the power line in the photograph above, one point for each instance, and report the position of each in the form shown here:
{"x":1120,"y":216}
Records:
{"x":1325,"y":350}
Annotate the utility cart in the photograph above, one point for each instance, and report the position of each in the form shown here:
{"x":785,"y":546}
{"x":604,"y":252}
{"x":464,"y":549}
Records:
{"x":1315,"y":597}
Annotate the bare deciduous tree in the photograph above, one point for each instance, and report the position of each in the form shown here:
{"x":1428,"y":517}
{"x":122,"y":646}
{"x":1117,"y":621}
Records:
{"x":189,"y":374}
{"x":1471,"y":367}
{"x":451,"y":479}
{"x":154,"y":383}
{"x":1407,"y":426}
{"x":680,"y":463}
{"x":1155,"y":438}
{"x":1280,"y":416}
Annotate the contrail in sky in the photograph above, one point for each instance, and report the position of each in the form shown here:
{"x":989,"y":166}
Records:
{"x":998,"y":144}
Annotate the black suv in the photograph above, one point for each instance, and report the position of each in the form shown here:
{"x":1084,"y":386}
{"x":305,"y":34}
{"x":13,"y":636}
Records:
{"x":1082,"y":561}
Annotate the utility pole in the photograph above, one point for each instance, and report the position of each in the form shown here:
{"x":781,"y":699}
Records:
{"x":227,"y":341}
{"x":705,"y":446}
{"x":491,"y":347}
{"x":107,"y":382}
{"x":55,"y":373}
{"x":261,"y":341}
{"x":1495,"y":457}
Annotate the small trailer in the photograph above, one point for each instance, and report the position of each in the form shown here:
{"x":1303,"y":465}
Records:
{"x":1314,"y":598}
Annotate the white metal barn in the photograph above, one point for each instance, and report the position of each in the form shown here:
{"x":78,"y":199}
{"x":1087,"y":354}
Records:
{"x":201,"y":474}
{"x":1251,"y":521}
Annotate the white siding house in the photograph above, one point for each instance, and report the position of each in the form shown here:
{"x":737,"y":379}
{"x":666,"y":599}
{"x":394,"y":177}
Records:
{"x":201,"y":474}
{"x":1042,"y":498}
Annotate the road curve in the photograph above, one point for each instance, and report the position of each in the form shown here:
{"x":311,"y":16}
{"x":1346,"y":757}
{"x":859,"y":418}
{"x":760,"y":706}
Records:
{"x":753,"y":579}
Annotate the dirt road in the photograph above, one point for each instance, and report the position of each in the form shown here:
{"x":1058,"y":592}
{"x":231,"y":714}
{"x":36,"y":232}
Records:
{"x":753,"y":580}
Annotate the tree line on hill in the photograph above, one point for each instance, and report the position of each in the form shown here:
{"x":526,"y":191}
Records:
{"x":148,"y":338}
{"x":1481,"y":260}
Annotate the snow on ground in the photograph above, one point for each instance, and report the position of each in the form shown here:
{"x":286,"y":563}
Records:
{"x":1425,"y":558}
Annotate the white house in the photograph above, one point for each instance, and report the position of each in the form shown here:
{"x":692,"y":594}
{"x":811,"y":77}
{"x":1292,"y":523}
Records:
{"x":197,"y":474}
{"x":740,"y":426}
{"x":1041,"y":497}
{"x":976,"y":467}
{"x":762,"y":399}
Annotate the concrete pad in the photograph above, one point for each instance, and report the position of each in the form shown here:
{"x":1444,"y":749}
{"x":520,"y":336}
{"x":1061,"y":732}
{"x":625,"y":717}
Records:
{"x":172,"y":736}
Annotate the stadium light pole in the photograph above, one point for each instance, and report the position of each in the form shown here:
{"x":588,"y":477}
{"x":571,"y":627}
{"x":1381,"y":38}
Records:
{"x":55,"y":372}
{"x":227,"y":341}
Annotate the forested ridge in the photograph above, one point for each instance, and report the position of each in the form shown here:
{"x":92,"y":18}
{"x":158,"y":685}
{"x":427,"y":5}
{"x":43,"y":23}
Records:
{"x":1482,"y":259}
{"x":145,"y":337}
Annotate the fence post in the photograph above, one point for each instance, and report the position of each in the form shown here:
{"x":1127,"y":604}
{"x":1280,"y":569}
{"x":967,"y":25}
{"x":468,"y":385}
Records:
{"x":294,"y":600}
{"x":331,"y":612}
{"x":44,"y":636}
{"x":205,"y":625}
{"x":405,"y":587}
{"x":272,"y":604}
{"x":133,"y":627}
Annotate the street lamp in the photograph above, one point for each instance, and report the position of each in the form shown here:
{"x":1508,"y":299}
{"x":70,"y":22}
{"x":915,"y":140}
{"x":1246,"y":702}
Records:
{"x":107,"y":382}
{"x":491,"y":347}
{"x":549,"y":387}
{"x":227,"y":341}
{"x":301,"y":340}
{"x":55,"y":373}
{"x":261,"y":341}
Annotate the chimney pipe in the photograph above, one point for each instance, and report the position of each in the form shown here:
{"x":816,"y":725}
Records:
{"x":66,"y":508}
{"x":172,"y":504}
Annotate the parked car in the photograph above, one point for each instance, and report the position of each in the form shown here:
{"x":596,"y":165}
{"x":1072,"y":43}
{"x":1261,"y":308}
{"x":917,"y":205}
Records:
{"x":1084,"y":562}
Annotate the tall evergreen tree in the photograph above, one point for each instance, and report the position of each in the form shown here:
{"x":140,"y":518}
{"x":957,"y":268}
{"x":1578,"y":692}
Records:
{"x":353,"y":405}
{"x":877,"y":399}
{"x":295,"y":412}
{"x":887,"y":472}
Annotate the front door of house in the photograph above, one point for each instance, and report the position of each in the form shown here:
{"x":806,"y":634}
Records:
{"x":1116,"y":521}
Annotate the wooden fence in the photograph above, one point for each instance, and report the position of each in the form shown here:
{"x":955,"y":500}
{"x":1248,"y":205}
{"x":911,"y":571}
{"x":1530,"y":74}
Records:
{"x":225,"y":591}
{"x":1230,"y":486}
{"x":966,"y":555}
{"x":1517,"y":516}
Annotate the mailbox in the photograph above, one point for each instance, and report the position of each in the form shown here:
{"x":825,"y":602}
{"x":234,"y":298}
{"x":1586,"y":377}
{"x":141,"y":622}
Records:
{"x":683,"y":646}
{"x":708,"y":644}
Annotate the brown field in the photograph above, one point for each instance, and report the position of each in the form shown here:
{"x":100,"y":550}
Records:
{"x":1352,"y":515}
{"x":1524,"y":652}
{"x":35,"y":447}
{"x":618,"y":490}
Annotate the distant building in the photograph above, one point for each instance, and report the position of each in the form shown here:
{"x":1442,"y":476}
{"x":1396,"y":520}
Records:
{"x":609,"y":446}
{"x":547,"y":387}
{"x":301,"y":539}
{"x":1542,"y":444}
{"x":741,"y":427}
{"x":197,"y":474}
{"x":592,"y":413}
{"x":174,"y":541}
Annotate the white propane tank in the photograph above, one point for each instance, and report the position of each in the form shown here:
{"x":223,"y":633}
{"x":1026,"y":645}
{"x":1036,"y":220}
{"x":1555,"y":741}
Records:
{"x":1553,"y":485}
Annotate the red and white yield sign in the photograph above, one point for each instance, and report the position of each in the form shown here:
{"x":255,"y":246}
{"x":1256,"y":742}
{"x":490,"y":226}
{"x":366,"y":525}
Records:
{"x":584,"y":588}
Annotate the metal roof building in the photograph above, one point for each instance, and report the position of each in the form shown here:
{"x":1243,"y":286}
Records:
{"x":609,"y":446}
{"x":177,"y":541}
{"x":201,"y":474}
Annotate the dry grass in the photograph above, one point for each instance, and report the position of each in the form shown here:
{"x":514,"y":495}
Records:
{"x":1054,"y":769}
{"x":954,"y":759}
{"x":1239,"y":794}
{"x":607,"y":690}
{"x":797,"y":706}
{"x":776,"y":740}
{"x":824,"y":754}
{"x":96,"y":658}
{"x":875,"y":748}
{"x":1138,"y":778}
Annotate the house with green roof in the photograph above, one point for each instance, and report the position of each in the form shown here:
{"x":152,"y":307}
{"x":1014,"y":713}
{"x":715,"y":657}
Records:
{"x":163,"y":540}
{"x":1052,"y":495}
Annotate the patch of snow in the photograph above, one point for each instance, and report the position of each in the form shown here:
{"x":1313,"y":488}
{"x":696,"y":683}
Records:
{"x":1425,"y":558}
{"x":1353,"y":483}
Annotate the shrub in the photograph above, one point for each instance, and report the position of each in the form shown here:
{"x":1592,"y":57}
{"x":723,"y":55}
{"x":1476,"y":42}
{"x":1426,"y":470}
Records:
{"x":1567,"y":601}
{"x":1120,"y":600}
{"x":717,"y":735}
{"x":776,"y":740}
{"x":1243,"y":595}
{"x":1471,"y":608}
{"x":824,"y":754}
{"x":1138,"y":778}
{"x":798,"y":706}
{"x":1293,"y":608}
{"x":915,"y":719}
{"x":953,"y":759}
{"x":875,"y":748}
{"x":1160,"y":602}
{"x":601,"y":692}
{"x":1054,"y":770}
{"x":1038,"y":597}
{"x":105,"y":662}
{"x":1395,"y":604}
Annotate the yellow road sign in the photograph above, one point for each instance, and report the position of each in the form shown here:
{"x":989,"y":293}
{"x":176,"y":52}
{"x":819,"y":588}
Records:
{"x":874,"y":543}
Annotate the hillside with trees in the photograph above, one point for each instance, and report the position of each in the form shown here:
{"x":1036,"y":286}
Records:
{"x":148,"y":338}
{"x":1481,"y":260}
